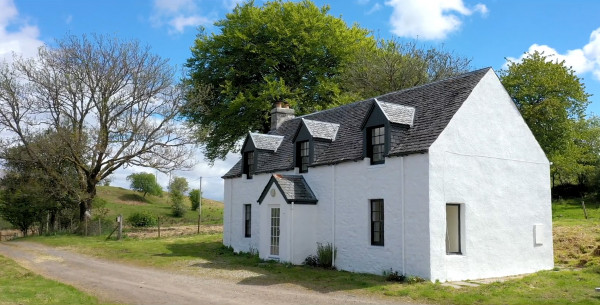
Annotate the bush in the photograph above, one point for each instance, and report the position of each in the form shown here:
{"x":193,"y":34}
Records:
{"x":178,"y":207}
{"x":311,"y":260}
{"x":142,"y":219}
{"x":326,"y":254}
{"x":195,"y":198}
{"x":395,"y":276}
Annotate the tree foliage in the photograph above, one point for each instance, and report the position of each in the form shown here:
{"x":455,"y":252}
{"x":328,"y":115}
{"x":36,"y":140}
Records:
{"x":111,"y":102}
{"x":195,"y":198}
{"x":145,"y":183}
{"x":293,"y":51}
{"x":394,"y":65}
{"x":29,"y":194}
{"x":553,"y":101}
{"x":177,"y":189}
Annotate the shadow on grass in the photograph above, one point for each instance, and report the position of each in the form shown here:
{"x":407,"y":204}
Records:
{"x":266,"y":273}
{"x":133,"y":197}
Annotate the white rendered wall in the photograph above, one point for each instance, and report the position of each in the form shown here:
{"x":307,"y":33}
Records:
{"x":351,"y":186}
{"x":488,"y":161}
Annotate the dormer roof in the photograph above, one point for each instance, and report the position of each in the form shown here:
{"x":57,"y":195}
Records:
{"x":398,"y":114}
{"x":321,"y":130}
{"x":265,"y":141}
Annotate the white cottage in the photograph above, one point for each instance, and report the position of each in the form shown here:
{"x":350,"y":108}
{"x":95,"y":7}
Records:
{"x":443,"y":181}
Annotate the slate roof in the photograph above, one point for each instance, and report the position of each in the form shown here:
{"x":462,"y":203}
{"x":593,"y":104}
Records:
{"x":321,"y":130}
{"x":266,"y":141}
{"x":293,"y":188}
{"x":398,"y":114}
{"x":434,"y":106}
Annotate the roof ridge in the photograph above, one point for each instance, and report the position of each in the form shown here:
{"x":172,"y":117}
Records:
{"x":466,"y":74}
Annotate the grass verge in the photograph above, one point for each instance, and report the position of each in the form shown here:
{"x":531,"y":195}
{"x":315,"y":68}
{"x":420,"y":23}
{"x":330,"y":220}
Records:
{"x":20,"y":286}
{"x":205,"y":254}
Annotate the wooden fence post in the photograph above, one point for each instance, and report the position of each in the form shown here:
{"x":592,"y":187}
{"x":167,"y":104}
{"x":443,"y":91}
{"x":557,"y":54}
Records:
{"x":584,"y":210}
{"x":119,"y":234}
{"x":158,"y":226}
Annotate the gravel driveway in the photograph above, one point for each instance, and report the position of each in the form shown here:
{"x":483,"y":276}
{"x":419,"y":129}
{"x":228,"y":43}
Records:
{"x":123,"y":283}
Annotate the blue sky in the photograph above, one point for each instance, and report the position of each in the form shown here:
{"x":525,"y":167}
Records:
{"x":488,"y":32}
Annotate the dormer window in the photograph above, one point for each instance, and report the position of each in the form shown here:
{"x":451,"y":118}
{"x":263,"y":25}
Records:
{"x":376,"y":144}
{"x":249,"y":164}
{"x":303,"y":155}
{"x":382,"y":119}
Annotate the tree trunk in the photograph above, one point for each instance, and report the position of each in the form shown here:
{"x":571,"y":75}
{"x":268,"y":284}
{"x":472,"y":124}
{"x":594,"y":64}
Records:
{"x":86,"y":204}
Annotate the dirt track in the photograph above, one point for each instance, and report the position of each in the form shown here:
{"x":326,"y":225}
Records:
{"x":117,"y":282}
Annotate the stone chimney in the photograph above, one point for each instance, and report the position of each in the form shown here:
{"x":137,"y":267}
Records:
{"x":280,"y":113}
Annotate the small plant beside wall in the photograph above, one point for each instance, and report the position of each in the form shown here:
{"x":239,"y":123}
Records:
{"x":324,"y":258}
{"x":395,"y":276}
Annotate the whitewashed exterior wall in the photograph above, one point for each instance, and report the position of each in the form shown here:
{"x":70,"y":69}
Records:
{"x":351,"y":186}
{"x":488,"y":161}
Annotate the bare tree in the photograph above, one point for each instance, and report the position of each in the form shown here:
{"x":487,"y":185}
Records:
{"x":113,"y":103}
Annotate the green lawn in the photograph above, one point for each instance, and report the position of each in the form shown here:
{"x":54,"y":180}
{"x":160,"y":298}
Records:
{"x":20,"y":286}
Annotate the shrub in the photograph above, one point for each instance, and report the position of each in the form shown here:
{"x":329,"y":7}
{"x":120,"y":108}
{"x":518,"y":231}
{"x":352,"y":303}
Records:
{"x":326,"y":254}
{"x":394,"y":276}
{"x":178,"y":207}
{"x":141,"y":219}
{"x":311,"y":260}
{"x":195,"y":198}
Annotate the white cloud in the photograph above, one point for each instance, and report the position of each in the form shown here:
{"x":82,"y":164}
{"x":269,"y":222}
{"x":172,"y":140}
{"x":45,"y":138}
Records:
{"x":582,"y":60}
{"x":179,"y":23}
{"x":69,"y":19}
{"x":374,"y":9}
{"x":177,"y":15}
{"x":429,"y":20}
{"x":22,"y":41}
{"x":230,"y":4}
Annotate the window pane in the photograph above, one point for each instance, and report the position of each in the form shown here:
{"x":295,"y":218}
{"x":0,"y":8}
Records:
{"x":453,"y":228}
{"x":377,"y":225}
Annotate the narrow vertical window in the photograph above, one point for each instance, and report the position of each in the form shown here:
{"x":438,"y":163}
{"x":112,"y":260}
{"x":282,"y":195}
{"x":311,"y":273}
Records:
{"x":303,"y":155}
{"x":274,"y":231}
{"x":453,"y":229}
{"x":376,"y":142}
{"x":247,"y":220}
{"x":249,"y":164}
{"x":377,"y":222}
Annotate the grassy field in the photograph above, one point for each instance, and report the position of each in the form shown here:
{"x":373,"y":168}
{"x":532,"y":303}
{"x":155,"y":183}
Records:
{"x":126,"y":202}
{"x":574,"y":282}
{"x":19,"y":286}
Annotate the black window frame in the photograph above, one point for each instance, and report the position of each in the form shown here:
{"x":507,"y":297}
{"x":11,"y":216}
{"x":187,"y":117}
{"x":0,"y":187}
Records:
{"x":380,"y":138}
{"x":303,"y":156}
{"x":459,"y":252}
{"x":249,"y":167}
{"x":247,"y":220}
{"x":377,"y":222}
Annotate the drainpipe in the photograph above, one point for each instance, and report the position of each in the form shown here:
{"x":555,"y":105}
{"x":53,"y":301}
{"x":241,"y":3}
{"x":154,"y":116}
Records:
{"x":291,"y":239}
{"x":403,"y":203}
{"x":333,"y":178}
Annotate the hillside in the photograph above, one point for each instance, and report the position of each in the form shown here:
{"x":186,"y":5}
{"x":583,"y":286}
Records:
{"x":125,"y":202}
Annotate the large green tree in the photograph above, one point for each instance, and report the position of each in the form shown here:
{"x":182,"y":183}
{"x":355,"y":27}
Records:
{"x":145,"y":183}
{"x":553,"y":102}
{"x":293,"y":51}
{"x":396,"y":65}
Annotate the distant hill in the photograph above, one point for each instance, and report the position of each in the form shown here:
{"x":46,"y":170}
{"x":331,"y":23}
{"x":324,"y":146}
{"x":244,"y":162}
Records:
{"x":125,"y":202}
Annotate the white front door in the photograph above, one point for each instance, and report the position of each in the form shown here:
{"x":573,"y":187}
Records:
{"x":275,"y":221}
